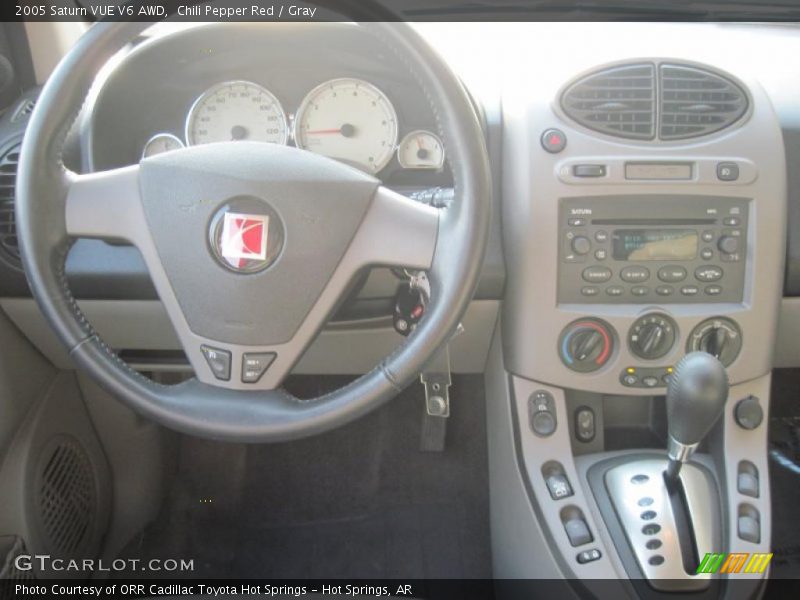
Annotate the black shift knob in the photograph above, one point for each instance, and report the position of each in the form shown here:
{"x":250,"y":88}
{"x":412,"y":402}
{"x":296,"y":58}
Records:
{"x":696,"y":394}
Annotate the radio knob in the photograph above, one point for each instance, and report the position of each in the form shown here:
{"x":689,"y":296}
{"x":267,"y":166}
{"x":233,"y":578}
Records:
{"x":728,"y":244}
{"x":581,"y":245}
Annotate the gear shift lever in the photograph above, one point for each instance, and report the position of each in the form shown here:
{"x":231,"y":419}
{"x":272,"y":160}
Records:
{"x":696,"y":394}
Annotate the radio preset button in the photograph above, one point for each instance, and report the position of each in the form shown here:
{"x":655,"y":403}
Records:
{"x":690,"y":290}
{"x":600,"y":236}
{"x":590,"y":290}
{"x":581,"y":245}
{"x":708,"y":273}
{"x":671,"y":274}
{"x":596,"y":274}
{"x":665,"y":290}
{"x":615,"y":290}
{"x":640,"y":290}
{"x":634,"y":274}
{"x":713,"y":290}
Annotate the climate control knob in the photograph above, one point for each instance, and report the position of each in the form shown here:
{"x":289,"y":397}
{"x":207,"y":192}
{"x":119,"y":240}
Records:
{"x":586,"y":345}
{"x":652,"y":336}
{"x":720,"y":337}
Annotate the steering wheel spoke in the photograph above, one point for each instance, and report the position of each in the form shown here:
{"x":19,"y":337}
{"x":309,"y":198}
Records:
{"x":105,"y":205}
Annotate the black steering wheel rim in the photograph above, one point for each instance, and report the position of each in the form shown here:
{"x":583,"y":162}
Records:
{"x":198,"y":408}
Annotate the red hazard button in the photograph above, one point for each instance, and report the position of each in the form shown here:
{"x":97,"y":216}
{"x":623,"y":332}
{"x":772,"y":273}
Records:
{"x":554,"y":140}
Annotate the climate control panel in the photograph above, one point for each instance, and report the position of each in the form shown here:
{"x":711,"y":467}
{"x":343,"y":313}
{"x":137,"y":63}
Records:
{"x":643,"y":249}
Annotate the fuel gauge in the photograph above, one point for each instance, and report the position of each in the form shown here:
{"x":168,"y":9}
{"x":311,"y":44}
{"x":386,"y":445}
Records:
{"x":160,"y":143}
{"x":421,"y":149}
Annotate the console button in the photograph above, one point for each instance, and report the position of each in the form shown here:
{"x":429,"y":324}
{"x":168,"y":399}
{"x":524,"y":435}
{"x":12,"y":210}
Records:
{"x":578,"y":532}
{"x":589,"y":170}
{"x":558,"y":486}
{"x":576,"y":222}
{"x":219,"y":361}
{"x":634,"y":274}
{"x":584,"y":424}
{"x":588,"y":556}
{"x":706,"y":254}
{"x":749,"y":529}
{"x":665,"y":290}
{"x":747,"y":484}
{"x":590,"y":290}
{"x":690,"y":290}
{"x":640,"y":290}
{"x":596,"y":274}
{"x":707,"y":236}
{"x":615,"y":290}
{"x":748,"y":413}
{"x":671,"y":274}
{"x":601,"y":254}
{"x":581,"y":245}
{"x":650,"y":381}
{"x":554,"y":140}
{"x":731,"y":221}
{"x":708,"y":273}
{"x":601,"y":236}
{"x":727,"y":171}
{"x":255,"y":364}
{"x":541,"y":409}
{"x":713,"y":290}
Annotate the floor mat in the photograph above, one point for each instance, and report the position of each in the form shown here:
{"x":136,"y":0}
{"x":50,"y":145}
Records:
{"x":784,"y":460}
{"x":358,"y":502}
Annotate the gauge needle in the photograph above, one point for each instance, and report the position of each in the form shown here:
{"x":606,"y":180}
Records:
{"x":347,"y":130}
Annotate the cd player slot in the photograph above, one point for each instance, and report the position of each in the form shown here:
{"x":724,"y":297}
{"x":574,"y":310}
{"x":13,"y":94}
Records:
{"x":655,"y":222}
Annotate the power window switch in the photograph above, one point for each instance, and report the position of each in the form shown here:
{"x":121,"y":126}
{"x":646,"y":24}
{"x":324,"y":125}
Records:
{"x":749,"y":529}
{"x":747,"y":484}
{"x":558,"y":486}
{"x":578,"y":532}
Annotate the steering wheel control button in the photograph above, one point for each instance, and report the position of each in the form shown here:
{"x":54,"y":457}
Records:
{"x":219,"y":361}
{"x":246,"y":235}
{"x":554,"y":140}
{"x":255,"y":364}
{"x":727,"y":171}
{"x":542,"y":413}
{"x":586,"y":345}
{"x":588,"y":556}
{"x":596,"y":274}
{"x":635,"y":274}
{"x":748,"y":413}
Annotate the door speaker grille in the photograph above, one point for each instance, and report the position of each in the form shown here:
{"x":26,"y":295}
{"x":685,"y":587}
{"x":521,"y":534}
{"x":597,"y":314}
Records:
{"x":67,"y":496}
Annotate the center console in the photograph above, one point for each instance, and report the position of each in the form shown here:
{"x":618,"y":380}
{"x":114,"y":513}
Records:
{"x":643,"y":219}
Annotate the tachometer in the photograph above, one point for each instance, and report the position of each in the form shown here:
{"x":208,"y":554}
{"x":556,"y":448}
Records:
{"x":349,"y":120}
{"x":236,"y":110}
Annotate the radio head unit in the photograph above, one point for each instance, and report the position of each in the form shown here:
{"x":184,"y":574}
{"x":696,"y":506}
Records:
{"x":652,"y":249}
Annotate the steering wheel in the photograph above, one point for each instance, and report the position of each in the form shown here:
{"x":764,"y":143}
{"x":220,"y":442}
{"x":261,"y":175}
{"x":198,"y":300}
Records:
{"x":250,"y":246}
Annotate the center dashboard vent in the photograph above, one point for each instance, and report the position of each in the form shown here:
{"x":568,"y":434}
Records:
{"x":644,"y":102}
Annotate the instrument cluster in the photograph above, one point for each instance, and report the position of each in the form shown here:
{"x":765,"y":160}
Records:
{"x":347,"y":119}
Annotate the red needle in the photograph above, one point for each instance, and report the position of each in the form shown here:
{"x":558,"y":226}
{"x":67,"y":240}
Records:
{"x":323,"y":131}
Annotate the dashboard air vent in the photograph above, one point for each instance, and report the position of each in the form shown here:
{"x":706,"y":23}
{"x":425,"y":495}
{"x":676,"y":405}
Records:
{"x":8,"y":185}
{"x":24,"y":110}
{"x":696,"y":102}
{"x":620,"y":101}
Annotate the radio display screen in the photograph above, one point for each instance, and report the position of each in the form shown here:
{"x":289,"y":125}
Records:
{"x":654,"y":244}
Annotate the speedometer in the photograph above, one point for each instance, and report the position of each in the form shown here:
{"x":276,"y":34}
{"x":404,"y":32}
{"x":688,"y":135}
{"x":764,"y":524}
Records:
{"x":236,"y":110}
{"x":349,"y":120}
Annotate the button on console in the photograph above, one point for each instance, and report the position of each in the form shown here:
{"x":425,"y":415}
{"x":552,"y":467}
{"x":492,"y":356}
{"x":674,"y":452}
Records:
{"x":708,"y":273}
{"x":255,"y":364}
{"x":727,"y":171}
{"x":596,"y":274}
{"x":634,"y":274}
{"x":671,"y":274}
{"x":219,"y":361}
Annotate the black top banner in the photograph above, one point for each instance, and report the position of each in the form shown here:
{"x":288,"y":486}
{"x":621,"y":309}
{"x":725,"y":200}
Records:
{"x":400,"y":10}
